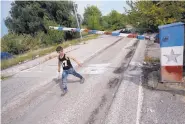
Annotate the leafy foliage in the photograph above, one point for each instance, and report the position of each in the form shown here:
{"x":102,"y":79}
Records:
{"x":92,"y":16}
{"x":28,"y":16}
{"x":29,"y":22}
{"x":115,"y":20}
{"x":93,"y":19}
{"x":151,"y":14}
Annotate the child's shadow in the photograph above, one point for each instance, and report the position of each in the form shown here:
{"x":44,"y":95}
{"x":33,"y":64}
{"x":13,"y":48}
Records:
{"x":57,"y":81}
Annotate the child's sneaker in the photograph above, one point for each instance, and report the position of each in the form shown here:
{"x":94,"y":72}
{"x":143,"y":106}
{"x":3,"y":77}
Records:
{"x":82,"y":80}
{"x":64,"y":92}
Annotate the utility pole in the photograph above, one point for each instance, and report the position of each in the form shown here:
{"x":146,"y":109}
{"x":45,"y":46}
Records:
{"x":77,"y":20}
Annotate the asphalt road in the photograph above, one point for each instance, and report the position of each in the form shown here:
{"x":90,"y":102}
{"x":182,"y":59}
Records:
{"x":113,"y":92}
{"x":84,"y":103}
{"x":18,"y":87}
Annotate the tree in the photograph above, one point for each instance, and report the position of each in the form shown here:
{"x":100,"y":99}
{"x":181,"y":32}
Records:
{"x":23,"y":19}
{"x":92,"y":17}
{"x":116,"y":20}
{"x":104,"y":22}
{"x":27,"y":17}
{"x":29,"y":23}
{"x":113,"y":21}
{"x":151,"y":14}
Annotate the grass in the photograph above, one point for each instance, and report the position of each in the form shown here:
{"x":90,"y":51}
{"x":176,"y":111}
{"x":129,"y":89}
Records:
{"x":5,"y":77}
{"x":151,"y":59}
{"x":41,"y":52}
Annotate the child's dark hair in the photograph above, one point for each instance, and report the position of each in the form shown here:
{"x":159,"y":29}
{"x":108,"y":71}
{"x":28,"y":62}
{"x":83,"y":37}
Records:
{"x":59,"y":48}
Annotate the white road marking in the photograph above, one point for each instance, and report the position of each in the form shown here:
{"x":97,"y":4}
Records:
{"x":140,"y":102}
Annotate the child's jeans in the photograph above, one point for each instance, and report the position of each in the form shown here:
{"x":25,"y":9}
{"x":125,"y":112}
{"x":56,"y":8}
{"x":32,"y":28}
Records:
{"x":65,"y":74}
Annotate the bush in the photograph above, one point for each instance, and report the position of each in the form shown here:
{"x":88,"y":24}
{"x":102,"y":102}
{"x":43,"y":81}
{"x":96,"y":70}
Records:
{"x":18,"y":44}
{"x":14,"y":44}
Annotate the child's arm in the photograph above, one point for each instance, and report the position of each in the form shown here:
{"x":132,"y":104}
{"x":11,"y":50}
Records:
{"x":59,"y":66}
{"x":79,"y":64}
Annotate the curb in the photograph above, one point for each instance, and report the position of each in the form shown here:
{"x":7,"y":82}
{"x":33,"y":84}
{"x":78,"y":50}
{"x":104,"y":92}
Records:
{"x":132,"y":62}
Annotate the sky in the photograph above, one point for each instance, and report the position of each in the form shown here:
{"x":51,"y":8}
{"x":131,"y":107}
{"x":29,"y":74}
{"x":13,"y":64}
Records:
{"x":5,"y":8}
{"x":104,"y":6}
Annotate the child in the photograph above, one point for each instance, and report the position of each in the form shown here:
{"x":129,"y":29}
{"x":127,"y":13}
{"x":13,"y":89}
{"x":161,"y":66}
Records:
{"x":67,"y":67}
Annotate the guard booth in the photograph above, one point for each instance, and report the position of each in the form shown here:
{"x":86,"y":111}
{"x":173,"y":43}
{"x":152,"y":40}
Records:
{"x":171,"y":39}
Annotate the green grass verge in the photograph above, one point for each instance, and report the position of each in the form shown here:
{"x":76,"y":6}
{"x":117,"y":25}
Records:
{"x":5,"y":77}
{"x":41,"y":52}
{"x":151,"y":59}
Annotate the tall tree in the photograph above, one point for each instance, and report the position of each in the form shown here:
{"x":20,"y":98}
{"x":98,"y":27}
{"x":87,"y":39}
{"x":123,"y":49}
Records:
{"x":116,"y":20}
{"x":29,"y":16}
{"x":23,"y":19}
{"x":105,"y":22}
{"x":151,"y":14}
{"x":92,"y":17}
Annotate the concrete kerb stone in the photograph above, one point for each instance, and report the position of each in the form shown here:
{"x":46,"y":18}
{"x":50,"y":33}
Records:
{"x":18,"y":100}
{"x":137,"y":53}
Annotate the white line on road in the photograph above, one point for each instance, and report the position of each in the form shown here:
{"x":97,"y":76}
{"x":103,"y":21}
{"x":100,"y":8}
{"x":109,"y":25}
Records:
{"x":140,"y":102}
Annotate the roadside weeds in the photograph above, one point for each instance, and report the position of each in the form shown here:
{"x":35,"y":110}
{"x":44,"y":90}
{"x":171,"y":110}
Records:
{"x":38,"y":53}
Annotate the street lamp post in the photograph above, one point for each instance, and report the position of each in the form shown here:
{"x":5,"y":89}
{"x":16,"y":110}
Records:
{"x":77,"y":20}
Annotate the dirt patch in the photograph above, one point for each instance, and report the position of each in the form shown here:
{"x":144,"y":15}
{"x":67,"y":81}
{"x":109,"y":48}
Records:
{"x":113,"y":82}
{"x":151,"y":66}
{"x":151,"y":81}
{"x":146,"y":70}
